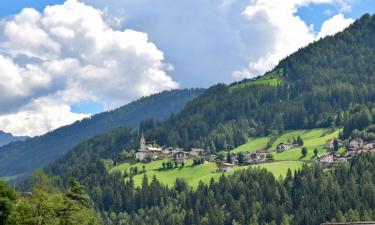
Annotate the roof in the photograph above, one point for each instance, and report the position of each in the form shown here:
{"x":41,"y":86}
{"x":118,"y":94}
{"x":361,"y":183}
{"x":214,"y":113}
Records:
{"x":226,"y":164}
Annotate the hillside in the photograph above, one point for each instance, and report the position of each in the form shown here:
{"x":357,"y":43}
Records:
{"x":319,"y":88}
{"x":22,"y":158}
{"x":315,"y":87}
{"x":6,"y":138}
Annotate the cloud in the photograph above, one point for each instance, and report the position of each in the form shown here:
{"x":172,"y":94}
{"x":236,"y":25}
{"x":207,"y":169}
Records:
{"x":209,"y":41}
{"x":335,"y":24}
{"x":68,"y":54}
{"x":289,"y":31}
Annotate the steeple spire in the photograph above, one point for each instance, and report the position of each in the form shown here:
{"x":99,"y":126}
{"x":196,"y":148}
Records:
{"x":143,"y":142}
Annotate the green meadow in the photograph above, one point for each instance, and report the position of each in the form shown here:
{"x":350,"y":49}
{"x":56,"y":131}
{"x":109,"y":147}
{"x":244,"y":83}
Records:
{"x":194,"y":174}
{"x":273,"y":78}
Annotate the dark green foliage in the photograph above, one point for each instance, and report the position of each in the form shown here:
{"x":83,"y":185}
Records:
{"x":7,"y":200}
{"x":320,"y":84}
{"x":304,"y":151}
{"x":316,"y":152}
{"x":21,"y":158}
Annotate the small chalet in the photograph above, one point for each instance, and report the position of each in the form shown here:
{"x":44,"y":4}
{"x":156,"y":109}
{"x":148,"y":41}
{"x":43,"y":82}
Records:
{"x":197,"y":151}
{"x":181,"y":156}
{"x":225,"y":167}
{"x":330,"y":143}
{"x":356,"y":143}
{"x":285,"y":146}
{"x":329,"y":158}
{"x":209,"y":157}
{"x":257,"y":157}
{"x":370,"y":145}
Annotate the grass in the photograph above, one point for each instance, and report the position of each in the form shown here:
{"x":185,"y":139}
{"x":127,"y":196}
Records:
{"x":204,"y":172}
{"x":252,"y":145}
{"x":273,"y":79}
{"x":315,"y":138}
{"x":280,"y":169}
{"x":191,"y":174}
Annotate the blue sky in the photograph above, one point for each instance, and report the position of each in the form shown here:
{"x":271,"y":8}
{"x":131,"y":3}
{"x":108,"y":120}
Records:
{"x":169,"y":44}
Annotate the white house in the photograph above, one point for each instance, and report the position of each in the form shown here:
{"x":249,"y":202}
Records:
{"x":356,"y":143}
{"x":328,"y":158}
{"x":225,"y":167}
{"x":285,"y":146}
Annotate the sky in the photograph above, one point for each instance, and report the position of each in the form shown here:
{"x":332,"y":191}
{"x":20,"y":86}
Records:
{"x":61,"y":61}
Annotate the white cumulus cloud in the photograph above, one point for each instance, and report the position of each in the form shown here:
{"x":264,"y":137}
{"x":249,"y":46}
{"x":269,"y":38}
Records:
{"x":68,"y":54}
{"x":289,"y":31}
{"x":336,"y":24}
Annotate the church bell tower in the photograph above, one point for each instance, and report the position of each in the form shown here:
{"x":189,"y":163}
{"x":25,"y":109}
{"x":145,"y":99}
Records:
{"x":143,"y":142}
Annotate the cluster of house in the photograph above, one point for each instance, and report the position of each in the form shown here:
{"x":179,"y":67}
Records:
{"x":355,"y":147}
{"x":250,"y":158}
{"x":148,"y":150}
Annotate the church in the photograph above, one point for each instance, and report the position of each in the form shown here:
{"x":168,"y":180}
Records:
{"x":149,"y":150}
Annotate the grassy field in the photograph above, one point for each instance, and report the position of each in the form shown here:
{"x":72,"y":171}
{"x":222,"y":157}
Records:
{"x":272,"y":79}
{"x":252,"y":145}
{"x":280,"y":169}
{"x":315,"y":138}
{"x":193,"y":175}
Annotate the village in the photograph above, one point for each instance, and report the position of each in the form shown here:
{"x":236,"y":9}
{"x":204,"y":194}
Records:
{"x":150,"y":151}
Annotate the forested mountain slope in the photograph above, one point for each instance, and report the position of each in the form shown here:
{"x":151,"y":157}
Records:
{"x":311,"y":88}
{"x":314,"y":87}
{"x":6,"y":138}
{"x":24,"y":157}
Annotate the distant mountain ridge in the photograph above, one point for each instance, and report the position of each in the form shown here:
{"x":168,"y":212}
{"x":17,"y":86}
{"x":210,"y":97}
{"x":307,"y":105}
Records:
{"x":6,"y":138}
{"x":22,"y":158}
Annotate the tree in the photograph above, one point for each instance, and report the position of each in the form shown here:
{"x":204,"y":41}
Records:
{"x":336,"y":145}
{"x":315,"y":152}
{"x":269,"y":156}
{"x":229,"y":157}
{"x":240,"y":158}
{"x":299,"y":141}
{"x":304,"y":151}
{"x":7,"y":199}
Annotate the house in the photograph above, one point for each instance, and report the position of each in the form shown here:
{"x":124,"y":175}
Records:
{"x":257,"y":157}
{"x":209,"y":157}
{"x":330,"y":143}
{"x":329,"y":158}
{"x":356,"y":143}
{"x":197,"y":151}
{"x":285,"y":146}
{"x":181,"y":156}
{"x":370,"y":145}
{"x":225,"y":167}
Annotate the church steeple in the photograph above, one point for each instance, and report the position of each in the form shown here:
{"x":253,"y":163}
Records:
{"x":143,"y":142}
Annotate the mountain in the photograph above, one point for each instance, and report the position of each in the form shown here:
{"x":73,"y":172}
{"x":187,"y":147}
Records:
{"x":22,"y":158}
{"x":6,"y":138}
{"x":329,"y":83}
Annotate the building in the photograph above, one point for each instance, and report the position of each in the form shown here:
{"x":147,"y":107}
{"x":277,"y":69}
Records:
{"x":149,"y":150}
{"x":356,"y":143}
{"x":285,"y":146}
{"x":370,"y":145}
{"x":330,"y":143}
{"x":197,"y":151}
{"x":257,"y":157}
{"x":225,"y":167}
{"x":329,"y":158}
{"x":181,"y":156}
